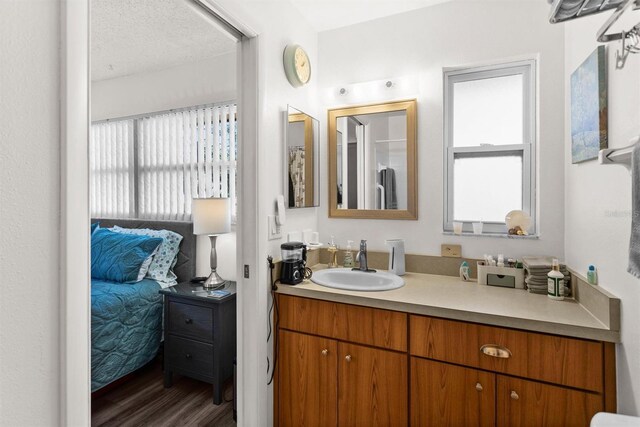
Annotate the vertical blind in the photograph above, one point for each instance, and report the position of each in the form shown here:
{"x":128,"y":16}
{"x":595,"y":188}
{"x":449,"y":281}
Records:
{"x":178,"y":156}
{"x":112,"y":169}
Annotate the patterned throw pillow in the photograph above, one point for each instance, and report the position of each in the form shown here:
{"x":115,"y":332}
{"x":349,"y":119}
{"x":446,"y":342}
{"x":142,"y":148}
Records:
{"x":120,"y":258}
{"x":166,"y":256}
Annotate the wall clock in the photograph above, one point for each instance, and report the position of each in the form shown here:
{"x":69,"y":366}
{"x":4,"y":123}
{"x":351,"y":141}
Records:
{"x":296,"y":65}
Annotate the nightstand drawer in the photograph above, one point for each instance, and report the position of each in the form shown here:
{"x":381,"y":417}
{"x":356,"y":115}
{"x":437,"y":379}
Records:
{"x":190,"y":356}
{"x":191,"y":321}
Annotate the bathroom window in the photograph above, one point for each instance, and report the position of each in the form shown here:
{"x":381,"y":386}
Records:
{"x":151,"y":166}
{"x":490,"y":122}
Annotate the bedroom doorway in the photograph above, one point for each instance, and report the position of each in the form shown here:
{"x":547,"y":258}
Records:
{"x":167,"y":124}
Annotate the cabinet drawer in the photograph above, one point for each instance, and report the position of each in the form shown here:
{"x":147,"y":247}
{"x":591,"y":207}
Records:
{"x":189,"y":356}
{"x":525,"y":403}
{"x":191,"y":321}
{"x":362,"y":325}
{"x":567,"y":361}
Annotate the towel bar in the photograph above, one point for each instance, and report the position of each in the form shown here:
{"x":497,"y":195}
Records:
{"x":619,"y":156}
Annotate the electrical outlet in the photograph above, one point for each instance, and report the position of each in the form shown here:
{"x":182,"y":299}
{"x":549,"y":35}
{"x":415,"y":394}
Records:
{"x":274,"y":230}
{"x":451,"y":251}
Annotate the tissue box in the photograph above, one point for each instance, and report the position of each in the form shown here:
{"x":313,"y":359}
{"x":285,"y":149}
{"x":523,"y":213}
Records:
{"x":503,"y":277}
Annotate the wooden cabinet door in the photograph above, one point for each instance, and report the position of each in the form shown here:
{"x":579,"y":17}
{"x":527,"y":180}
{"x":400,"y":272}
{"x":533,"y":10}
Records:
{"x":529,"y":403}
{"x":307,"y":381}
{"x":449,"y":395}
{"x":372,"y":387}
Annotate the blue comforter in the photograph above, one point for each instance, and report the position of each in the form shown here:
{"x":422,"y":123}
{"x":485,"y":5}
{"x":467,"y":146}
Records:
{"x":126,"y":328}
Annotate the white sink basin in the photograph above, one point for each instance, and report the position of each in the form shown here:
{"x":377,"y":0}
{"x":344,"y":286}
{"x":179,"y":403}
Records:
{"x":354,"y":280}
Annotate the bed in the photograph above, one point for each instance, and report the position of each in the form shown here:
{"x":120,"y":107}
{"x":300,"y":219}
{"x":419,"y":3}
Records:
{"x":126,"y":318}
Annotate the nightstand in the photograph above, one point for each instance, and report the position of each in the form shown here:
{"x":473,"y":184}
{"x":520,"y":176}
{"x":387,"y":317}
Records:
{"x":199,"y":335}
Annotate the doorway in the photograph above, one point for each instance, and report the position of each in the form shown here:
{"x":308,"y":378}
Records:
{"x":75,"y":218}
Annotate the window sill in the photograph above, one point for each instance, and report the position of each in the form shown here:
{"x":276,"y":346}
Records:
{"x":495,"y":235}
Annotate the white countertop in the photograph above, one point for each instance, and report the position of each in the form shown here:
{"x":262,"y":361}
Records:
{"x":451,"y":298}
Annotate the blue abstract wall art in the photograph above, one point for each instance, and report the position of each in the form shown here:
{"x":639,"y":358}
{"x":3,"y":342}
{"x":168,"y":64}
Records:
{"x":589,"y":127}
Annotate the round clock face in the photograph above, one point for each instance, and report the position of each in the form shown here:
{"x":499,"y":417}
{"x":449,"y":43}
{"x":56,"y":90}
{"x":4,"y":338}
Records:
{"x":303,"y":68}
{"x":296,"y":65}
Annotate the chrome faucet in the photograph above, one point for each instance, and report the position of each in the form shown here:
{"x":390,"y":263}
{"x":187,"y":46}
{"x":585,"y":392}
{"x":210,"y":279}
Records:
{"x":361,"y":257}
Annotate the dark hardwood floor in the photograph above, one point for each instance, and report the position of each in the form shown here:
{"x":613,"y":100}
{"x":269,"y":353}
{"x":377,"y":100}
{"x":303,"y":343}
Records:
{"x":143,"y":401}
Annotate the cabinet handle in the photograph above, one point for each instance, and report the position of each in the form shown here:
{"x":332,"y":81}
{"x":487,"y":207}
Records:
{"x":514,"y":395}
{"x":188,"y":321}
{"x":494,"y":350}
{"x":348,"y":358}
{"x":188,"y":355}
{"x":478,"y":386}
{"x":325,"y":352}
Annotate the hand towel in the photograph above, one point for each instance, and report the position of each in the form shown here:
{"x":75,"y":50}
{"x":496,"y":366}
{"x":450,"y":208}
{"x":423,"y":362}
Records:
{"x":388,"y":181}
{"x":634,"y":243}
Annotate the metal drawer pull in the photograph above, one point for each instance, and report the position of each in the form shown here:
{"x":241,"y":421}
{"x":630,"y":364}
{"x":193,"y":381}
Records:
{"x":514,"y":395}
{"x":478,"y":386}
{"x":494,"y":350}
{"x":188,"y":321}
{"x":348,"y":358}
{"x":325,"y":352}
{"x":188,"y":355}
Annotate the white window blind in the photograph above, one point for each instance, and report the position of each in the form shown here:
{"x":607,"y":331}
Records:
{"x":112,"y":169}
{"x":178,"y":156}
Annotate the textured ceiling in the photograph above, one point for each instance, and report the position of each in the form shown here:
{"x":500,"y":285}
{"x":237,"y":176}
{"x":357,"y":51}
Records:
{"x":136,"y":36}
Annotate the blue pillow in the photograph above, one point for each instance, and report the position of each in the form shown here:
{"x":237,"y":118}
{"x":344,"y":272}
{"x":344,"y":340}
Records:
{"x":94,"y":227}
{"x":165,"y":258}
{"x":118,"y":257}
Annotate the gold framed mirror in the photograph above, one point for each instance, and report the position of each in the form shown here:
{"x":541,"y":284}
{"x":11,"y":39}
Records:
{"x":373,"y":161}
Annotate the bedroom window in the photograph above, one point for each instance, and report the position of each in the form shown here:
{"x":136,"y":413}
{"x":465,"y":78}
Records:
{"x":151,"y":166}
{"x":490,"y":121}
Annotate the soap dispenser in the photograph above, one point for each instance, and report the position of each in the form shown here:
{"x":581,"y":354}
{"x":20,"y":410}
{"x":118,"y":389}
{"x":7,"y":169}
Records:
{"x":396,"y":256}
{"x":348,"y":256}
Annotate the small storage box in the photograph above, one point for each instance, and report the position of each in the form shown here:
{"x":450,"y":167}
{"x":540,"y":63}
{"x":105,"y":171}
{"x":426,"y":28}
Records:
{"x":503,"y":277}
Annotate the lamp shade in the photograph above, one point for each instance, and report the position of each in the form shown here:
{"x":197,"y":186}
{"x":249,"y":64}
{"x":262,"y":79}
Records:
{"x":211,"y":216}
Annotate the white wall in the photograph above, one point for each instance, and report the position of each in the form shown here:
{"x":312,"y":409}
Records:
{"x":29,"y":213}
{"x":277,"y":24}
{"x":412,"y":49}
{"x":203,"y":82}
{"x":598,"y":198}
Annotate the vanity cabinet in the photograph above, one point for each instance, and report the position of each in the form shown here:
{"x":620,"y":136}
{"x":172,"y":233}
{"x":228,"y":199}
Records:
{"x":346,"y":365}
{"x":326,"y":377}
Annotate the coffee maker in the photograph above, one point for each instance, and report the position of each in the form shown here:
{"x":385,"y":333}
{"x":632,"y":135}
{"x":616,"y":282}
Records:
{"x":294,"y":262}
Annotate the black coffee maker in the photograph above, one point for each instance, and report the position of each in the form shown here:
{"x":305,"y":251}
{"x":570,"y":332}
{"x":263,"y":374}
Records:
{"x":294,"y":262}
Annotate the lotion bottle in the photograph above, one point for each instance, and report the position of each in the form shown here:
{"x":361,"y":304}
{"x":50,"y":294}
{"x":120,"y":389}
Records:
{"x":348,"y":256}
{"x":555,"y":282}
{"x":592,"y":275}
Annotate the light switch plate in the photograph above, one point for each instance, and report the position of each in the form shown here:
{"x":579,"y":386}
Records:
{"x":274,"y":230}
{"x":451,"y":251}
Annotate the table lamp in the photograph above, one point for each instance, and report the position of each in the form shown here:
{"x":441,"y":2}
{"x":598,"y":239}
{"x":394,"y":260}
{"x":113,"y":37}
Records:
{"x":211,"y":217}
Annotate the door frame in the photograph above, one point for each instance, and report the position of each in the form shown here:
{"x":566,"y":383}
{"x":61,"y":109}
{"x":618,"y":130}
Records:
{"x":75,"y":298}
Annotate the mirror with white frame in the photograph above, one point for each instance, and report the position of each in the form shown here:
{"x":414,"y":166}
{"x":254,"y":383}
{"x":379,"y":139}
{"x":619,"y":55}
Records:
{"x":372,"y":161}
{"x":302,"y":182}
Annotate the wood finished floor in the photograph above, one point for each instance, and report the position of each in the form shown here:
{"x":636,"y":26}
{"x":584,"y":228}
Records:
{"x":143,"y":401}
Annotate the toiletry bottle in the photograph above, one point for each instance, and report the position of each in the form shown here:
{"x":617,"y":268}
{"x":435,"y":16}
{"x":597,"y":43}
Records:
{"x":555,"y":282}
{"x":500,"y":260}
{"x":333,"y":254}
{"x":348,"y":256}
{"x":592,"y":275}
{"x":464,"y":271}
